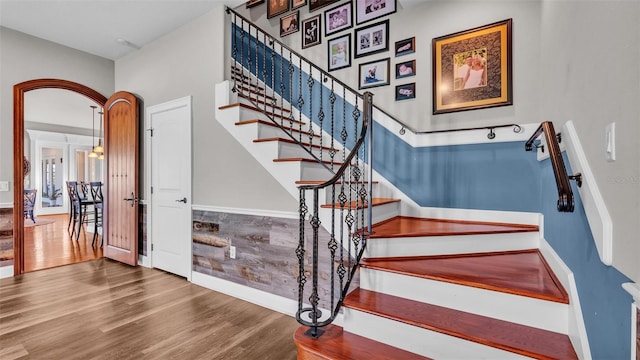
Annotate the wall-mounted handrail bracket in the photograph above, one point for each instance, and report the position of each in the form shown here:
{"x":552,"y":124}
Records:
{"x":578,"y":179}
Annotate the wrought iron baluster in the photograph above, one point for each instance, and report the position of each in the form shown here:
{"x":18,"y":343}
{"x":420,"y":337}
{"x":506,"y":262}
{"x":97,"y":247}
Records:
{"x":310,"y":82}
{"x":300,"y":98}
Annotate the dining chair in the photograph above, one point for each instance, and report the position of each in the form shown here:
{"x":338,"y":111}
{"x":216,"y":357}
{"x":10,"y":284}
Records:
{"x":96,"y":195}
{"x":71,"y":185}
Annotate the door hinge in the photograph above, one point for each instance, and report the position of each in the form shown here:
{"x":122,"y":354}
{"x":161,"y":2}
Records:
{"x":152,"y":189}
{"x":151,"y":131}
{"x":151,"y":247}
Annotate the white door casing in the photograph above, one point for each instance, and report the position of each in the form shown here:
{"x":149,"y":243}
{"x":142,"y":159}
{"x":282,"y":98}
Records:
{"x":168,"y":128}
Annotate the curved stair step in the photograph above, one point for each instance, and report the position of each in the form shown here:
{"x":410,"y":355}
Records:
{"x":404,"y":226}
{"x":499,"y":334}
{"x":336,"y":343}
{"x":524,"y":273}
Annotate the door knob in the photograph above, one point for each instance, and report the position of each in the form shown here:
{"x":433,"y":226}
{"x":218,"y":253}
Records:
{"x":183,"y":200}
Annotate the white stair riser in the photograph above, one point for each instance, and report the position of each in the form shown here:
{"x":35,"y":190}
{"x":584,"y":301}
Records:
{"x":350,"y":192}
{"x":288,"y":150}
{"x":542,"y":314}
{"x":418,"y":340}
{"x":380,"y":213}
{"x":447,"y":245}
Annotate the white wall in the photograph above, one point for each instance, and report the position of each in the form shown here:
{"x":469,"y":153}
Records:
{"x":23,"y":58}
{"x":590,"y":53}
{"x":190,"y":61}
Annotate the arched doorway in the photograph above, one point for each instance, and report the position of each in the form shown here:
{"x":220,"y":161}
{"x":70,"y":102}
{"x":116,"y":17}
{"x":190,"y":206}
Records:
{"x":18,"y":151}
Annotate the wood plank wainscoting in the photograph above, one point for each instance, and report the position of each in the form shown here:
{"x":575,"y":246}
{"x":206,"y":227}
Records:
{"x":102,"y":309}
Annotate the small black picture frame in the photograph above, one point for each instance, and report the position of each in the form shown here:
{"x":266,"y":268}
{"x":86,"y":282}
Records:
{"x":311,"y":32}
{"x":405,"y":91}
{"x":405,"y":69}
{"x":371,"y":39}
{"x":406,"y":46}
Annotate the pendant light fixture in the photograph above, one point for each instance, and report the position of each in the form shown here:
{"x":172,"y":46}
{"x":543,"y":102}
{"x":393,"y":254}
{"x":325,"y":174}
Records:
{"x":93,"y":153}
{"x":100,"y":149}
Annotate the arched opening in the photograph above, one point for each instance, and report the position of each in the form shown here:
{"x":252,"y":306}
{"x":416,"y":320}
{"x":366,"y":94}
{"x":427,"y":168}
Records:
{"x":18,"y":152}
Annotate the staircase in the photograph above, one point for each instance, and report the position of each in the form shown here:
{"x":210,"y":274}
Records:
{"x":429,"y":288}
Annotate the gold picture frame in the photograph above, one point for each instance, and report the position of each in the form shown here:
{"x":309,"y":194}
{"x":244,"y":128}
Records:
{"x":472,"y":69}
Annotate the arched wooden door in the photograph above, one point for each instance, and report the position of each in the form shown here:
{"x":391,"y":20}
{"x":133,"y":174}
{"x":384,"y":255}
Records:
{"x":121,"y":123}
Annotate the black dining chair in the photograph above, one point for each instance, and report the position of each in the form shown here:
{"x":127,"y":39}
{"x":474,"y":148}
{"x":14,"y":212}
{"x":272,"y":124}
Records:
{"x":80,"y":203}
{"x":71,"y":185}
{"x":96,"y":195}
{"x":30,"y":203}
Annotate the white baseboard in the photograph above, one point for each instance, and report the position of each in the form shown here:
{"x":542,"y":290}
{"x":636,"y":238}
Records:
{"x":6,"y":205}
{"x":255,"y":296}
{"x":592,"y":201}
{"x":6,"y":271}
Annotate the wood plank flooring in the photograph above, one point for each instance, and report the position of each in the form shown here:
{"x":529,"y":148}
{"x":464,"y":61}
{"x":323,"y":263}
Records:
{"x":102,"y":309}
{"x":50,"y":245}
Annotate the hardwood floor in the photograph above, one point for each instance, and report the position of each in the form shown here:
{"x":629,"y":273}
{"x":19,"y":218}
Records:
{"x":50,"y":245}
{"x":102,"y":309}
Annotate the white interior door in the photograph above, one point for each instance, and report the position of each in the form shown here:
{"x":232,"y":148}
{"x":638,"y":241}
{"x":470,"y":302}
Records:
{"x":169,"y":127}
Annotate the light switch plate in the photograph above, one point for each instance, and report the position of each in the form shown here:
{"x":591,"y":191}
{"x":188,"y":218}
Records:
{"x":610,"y":142}
{"x":4,"y":186}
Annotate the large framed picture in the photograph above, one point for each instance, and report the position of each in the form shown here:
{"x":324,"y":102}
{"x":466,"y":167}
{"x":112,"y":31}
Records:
{"x":338,"y":18}
{"x":289,"y":24}
{"x":317,"y":4}
{"x":338,"y":49}
{"x":311,"y":32}
{"x":472,"y":69}
{"x":277,"y":7}
{"x":372,"y":39}
{"x":373,"y":74}
{"x":367,"y":10}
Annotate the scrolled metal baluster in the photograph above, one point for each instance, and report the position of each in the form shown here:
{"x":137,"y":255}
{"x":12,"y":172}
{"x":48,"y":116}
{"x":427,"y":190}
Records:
{"x":290,"y":89}
{"x":300,"y":250}
{"x":300,"y":98}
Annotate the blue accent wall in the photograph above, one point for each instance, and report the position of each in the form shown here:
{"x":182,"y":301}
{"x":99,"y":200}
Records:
{"x":606,"y":306}
{"x":500,"y":176}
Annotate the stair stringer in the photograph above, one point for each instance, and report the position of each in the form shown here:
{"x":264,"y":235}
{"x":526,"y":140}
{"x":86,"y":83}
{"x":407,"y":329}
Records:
{"x":577,"y":331}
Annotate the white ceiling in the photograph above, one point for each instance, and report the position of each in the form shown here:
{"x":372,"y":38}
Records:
{"x":94,"y":26}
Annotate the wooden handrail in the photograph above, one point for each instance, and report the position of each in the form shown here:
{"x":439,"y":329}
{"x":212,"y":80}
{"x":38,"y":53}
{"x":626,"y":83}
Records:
{"x":565,"y":194}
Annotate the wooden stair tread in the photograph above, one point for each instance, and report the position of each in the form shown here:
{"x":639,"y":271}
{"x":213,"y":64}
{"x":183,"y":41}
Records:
{"x":403,"y":226}
{"x":338,"y":344}
{"x":524,"y":273}
{"x":268,"y":123}
{"x":520,"y":339}
{"x":359,"y":204}
{"x":291,"y":141}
